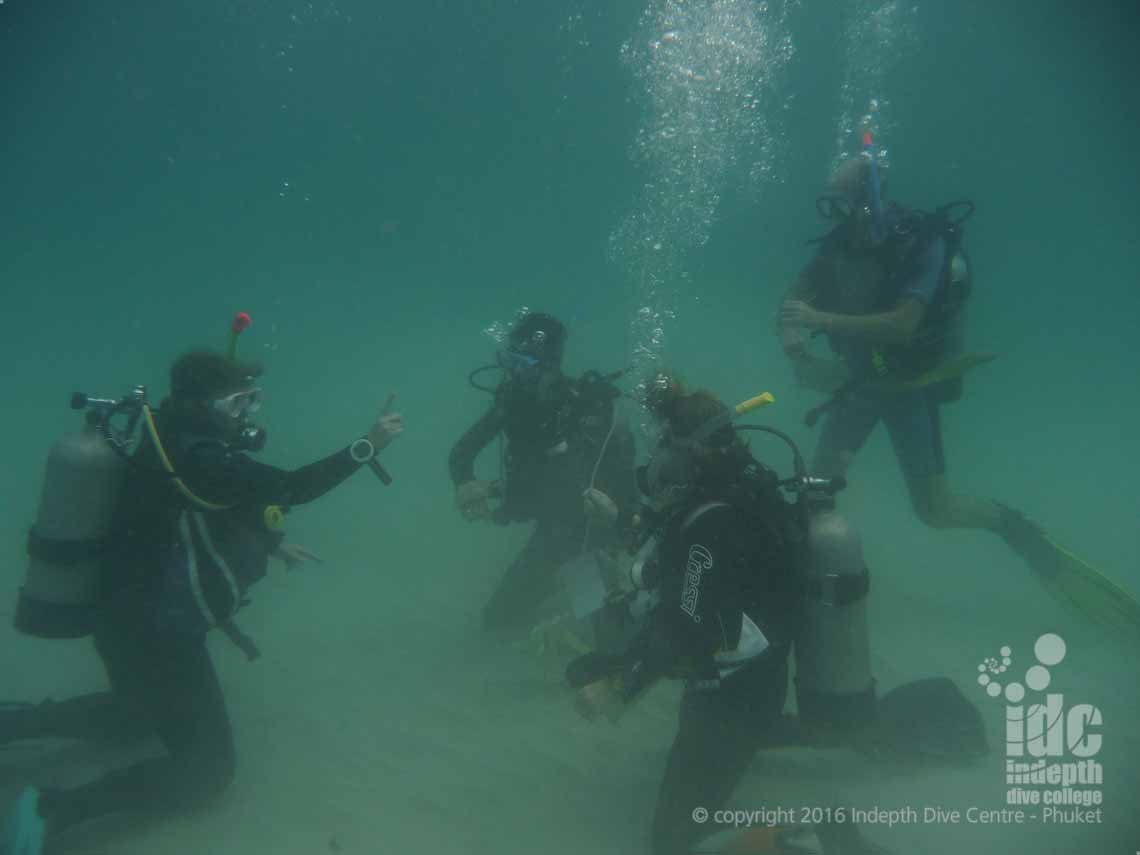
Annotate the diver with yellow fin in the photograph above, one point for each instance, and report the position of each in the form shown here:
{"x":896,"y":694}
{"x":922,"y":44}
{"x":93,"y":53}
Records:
{"x":889,"y":288}
{"x":147,"y":543}
{"x":728,"y":576}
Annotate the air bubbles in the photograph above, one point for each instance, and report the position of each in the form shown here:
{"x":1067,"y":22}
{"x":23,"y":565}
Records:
{"x":703,"y":73}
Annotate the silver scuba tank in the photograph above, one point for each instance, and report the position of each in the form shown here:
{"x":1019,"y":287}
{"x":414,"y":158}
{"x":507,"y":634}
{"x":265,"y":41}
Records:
{"x":81,"y":483}
{"x":834,"y":687}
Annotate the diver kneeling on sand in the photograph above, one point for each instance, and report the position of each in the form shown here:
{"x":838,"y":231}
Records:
{"x":146,"y":551}
{"x":731,"y":577}
{"x":562,"y":435}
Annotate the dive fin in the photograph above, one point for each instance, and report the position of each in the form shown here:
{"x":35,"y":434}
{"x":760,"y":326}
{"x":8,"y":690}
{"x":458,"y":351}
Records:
{"x":24,"y":828}
{"x":554,"y":637}
{"x":1088,"y":591}
{"x":927,"y":719}
{"x":839,"y":838}
{"x":1071,"y":580}
{"x":951,"y":369}
{"x":763,"y":840}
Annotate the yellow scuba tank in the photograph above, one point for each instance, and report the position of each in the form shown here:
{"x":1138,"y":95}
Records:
{"x":80,"y":486}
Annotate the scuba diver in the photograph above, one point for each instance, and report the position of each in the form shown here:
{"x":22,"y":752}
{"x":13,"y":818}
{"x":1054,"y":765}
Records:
{"x":729,"y":576}
{"x":888,"y":288}
{"x":191,"y":521}
{"x":564,"y":447}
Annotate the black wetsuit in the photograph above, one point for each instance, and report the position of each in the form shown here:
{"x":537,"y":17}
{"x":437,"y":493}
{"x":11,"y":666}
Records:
{"x":724,"y":618}
{"x":553,"y":444}
{"x":162,"y":678}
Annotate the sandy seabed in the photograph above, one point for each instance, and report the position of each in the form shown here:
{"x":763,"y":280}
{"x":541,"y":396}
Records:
{"x":380,"y":720}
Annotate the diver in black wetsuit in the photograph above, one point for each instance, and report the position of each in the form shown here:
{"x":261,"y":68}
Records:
{"x":562,"y":439}
{"x":178,"y":567}
{"x":722,"y":575}
{"x":721,"y":566}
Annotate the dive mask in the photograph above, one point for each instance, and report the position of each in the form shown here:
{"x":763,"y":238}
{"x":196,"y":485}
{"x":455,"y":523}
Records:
{"x":238,"y":404}
{"x":835,"y":207}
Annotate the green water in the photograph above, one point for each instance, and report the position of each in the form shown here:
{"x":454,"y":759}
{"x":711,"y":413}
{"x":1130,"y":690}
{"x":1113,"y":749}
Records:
{"x":379,"y":185}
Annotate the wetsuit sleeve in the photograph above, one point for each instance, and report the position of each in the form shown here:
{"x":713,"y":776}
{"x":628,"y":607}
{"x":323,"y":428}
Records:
{"x":617,"y":478}
{"x":923,"y":282}
{"x":697,"y":587}
{"x":461,"y":461}
{"x":232,"y":478}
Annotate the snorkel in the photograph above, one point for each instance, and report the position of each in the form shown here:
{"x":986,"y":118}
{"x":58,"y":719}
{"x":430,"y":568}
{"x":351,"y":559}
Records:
{"x":874,"y":186}
{"x":674,"y":467}
{"x":728,"y":416}
{"x":241,"y":322}
{"x":251,"y":437}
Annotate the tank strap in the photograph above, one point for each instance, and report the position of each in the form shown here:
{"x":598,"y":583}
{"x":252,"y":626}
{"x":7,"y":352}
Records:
{"x":194,"y":578}
{"x":65,"y":552}
{"x":836,"y":589}
{"x":194,"y":526}
{"x":700,"y":511}
{"x":242,"y":641}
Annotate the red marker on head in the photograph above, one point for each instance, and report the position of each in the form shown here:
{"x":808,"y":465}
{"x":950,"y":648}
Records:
{"x":241,"y":322}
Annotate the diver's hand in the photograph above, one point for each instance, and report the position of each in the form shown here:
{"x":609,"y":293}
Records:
{"x":388,"y":426}
{"x":600,"y":698}
{"x":293,"y":555}
{"x":792,"y":342}
{"x":797,"y":313}
{"x":599,"y":507}
{"x":472,"y":499}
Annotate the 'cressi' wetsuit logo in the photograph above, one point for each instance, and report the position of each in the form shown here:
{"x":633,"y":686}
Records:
{"x":700,"y":560}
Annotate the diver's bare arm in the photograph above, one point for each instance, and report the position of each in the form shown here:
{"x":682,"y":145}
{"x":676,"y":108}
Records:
{"x":897,"y":325}
{"x":804,"y":289}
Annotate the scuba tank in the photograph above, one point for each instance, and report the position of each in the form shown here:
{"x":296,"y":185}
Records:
{"x":835,"y":691}
{"x":82,"y":479}
{"x":834,"y":687}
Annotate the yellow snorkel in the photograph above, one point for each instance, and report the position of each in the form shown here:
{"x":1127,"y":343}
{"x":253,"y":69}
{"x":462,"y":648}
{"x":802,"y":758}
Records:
{"x":728,"y":416}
